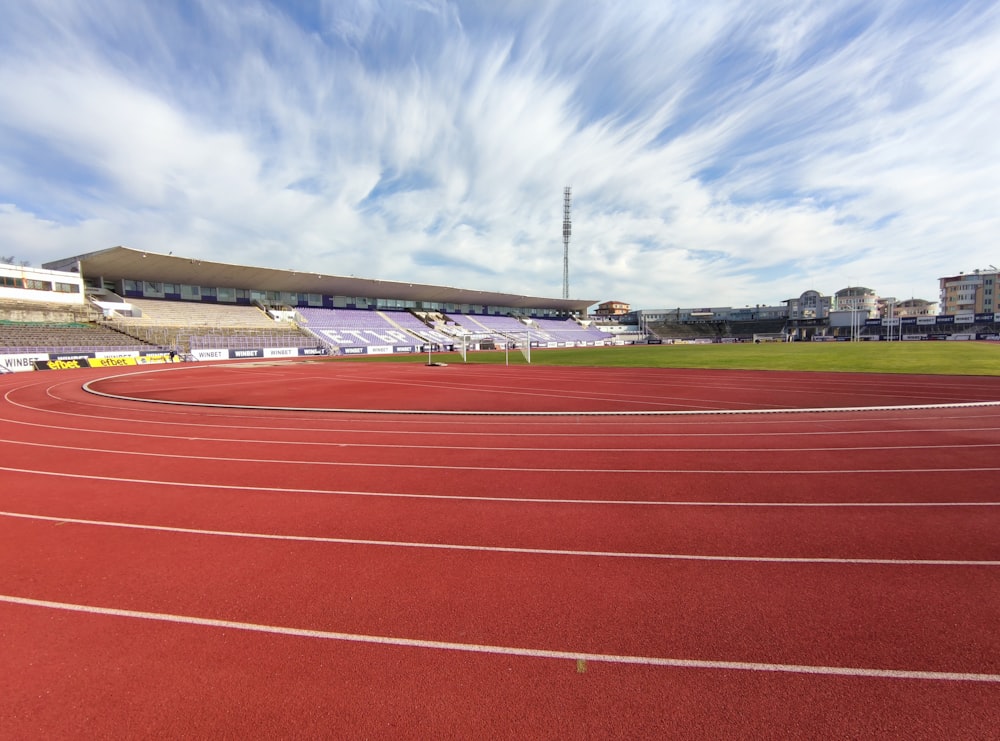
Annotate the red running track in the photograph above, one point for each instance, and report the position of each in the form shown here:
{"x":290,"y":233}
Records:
{"x":176,"y":570}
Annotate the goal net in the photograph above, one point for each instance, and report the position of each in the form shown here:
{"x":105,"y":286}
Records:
{"x":769,"y":337}
{"x":516,"y":341}
{"x":520,"y":341}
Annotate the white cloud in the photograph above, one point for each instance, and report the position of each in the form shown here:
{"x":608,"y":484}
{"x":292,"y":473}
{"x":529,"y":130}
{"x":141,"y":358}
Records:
{"x":719,"y":152}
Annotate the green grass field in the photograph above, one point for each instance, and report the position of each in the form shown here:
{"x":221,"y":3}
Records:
{"x":937,"y":358}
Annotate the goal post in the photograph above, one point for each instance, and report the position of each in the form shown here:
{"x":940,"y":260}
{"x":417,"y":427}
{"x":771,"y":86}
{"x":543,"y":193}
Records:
{"x":524,"y":345}
{"x":759,"y":337}
{"x":520,"y":341}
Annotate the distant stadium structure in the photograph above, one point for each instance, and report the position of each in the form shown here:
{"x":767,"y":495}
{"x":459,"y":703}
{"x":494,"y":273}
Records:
{"x":127,"y":303}
{"x":854,"y":313}
{"x":142,"y":273}
{"x":122,"y":306}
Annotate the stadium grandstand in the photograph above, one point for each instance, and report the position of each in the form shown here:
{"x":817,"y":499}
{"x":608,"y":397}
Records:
{"x":122,"y":302}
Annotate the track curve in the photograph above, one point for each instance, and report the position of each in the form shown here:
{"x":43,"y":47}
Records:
{"x":342,"y":387}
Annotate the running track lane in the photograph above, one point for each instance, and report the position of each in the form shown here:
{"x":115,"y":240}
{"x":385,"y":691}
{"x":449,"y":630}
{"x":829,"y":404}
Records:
{"x":728,"y":561}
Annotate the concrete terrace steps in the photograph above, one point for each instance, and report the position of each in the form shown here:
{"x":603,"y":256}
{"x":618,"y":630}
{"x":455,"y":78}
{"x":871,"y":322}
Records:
{"x":191,"y":314}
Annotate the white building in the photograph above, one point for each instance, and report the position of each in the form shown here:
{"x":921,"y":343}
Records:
{"x":858,"y":300}
{"x":811,"y":305}
{"x":22,"y":283}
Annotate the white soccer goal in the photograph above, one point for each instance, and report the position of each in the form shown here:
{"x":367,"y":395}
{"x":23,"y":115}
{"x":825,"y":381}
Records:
{"x":759,"y":337}
{"x":512,"y":341}
{"x":467,"y":342}
{"x":522,"y":341}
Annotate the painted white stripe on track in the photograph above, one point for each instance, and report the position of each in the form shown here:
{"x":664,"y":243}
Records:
{"x":514,"y":469}
{"x":467,"y":498}
{"x":272,"y":443}
{"x":518,"y":432}
{"x":499,"y":421}
{"x":501,"y":549}
{"x":504,"y":413}
{"x":533,"y":653}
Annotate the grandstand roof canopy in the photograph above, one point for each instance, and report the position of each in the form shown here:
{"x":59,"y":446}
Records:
{"x":125,"y":263}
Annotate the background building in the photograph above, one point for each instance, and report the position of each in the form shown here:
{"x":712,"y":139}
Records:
{"x":22,"y":283}
{"x":857,"y":299}
{"x":811,"y":305}
{"x":915,"y":307}
{"x":974,"y":292}
{"x":612,"y":308}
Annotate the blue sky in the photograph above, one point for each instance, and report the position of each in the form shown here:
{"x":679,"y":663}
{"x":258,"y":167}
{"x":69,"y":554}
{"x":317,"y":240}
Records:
{"x":720,"y":153}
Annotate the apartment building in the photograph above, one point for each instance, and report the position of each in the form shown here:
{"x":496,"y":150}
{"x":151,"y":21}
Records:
{"x":974,"y":292}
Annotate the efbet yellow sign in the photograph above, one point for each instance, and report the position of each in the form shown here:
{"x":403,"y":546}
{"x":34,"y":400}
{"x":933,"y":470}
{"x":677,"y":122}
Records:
{"x":115,"y":362}
{"x":61,"y":364}
{"x":111,"y":362}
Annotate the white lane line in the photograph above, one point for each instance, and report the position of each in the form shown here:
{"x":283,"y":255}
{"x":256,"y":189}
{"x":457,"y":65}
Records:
{"x":533,"y":653}
{"x":694,"y":408}
{"x":512,"y":469}
{"x":272,"y":443}
{"x":469,"y":498}
{"x":705,"y":410}
{"x":519,"y":430}
{"x":500,"y":549}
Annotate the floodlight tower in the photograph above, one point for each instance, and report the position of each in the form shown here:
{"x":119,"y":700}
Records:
{"x":567,"y":230}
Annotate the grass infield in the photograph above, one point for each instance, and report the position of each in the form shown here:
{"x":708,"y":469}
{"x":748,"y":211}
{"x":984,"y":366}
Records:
{"x":935,"y":358}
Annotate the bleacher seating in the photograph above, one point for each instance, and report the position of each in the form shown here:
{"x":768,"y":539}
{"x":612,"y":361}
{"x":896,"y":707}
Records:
{"x":244,"y":339}
{"x":682,"y":331}
{"x":568,"y":332}
{"x":497,"y":328}
{"x":626,"y":337}
{"x":343,"y":328}
{"x":189,"y":325}
{"x":360,"y":328}
{"x":14,"y":310}
{"x":163,"y":313}
{"x":746,"y":330}
{"x":69,"y":337}
{"x":412,"y":324}
{"x":560,"y":332}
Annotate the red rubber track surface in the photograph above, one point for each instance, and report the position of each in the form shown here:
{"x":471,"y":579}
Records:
{"x":538,"y":389}
{"x":172,"y":570}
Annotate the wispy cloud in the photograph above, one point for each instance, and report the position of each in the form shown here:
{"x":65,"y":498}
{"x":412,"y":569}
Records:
{"x":719,"y":152}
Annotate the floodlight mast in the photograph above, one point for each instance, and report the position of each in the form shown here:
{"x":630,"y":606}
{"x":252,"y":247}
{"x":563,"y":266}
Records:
{"x":567,"y":230}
